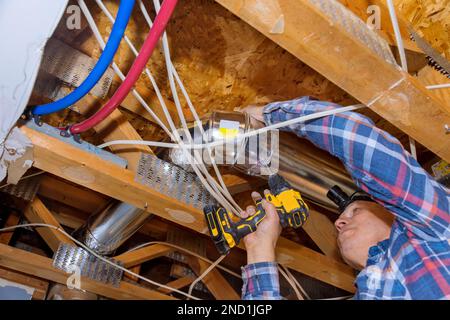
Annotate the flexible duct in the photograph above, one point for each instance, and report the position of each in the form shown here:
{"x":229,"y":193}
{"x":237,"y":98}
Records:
{"x":106,"y":231}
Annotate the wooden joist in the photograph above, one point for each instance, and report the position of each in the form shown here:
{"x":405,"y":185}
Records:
{"x":5,"y":237}
{"x":139,"y":256}
{"x":75,"y":165}
{"x":71,"y":195}
{"x":305,"y":31}
{"x":117,"y":127}
{"x":40,"y":286}
{"x":36,"y":212}
{"x":42,"y":267}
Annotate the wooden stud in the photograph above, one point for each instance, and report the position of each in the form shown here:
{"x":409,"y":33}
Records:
{"x":40,"y":286}
{"x":71,"y":195}
{"x":42,"y":267}
{"x":214,"y":281}
{"x":36,"y":212}
{"x":139,"y":256}
{"x":308,"y":34}
{"x":5,"y":237}
{"x":323,"y":233}
{"x":177,"y":284}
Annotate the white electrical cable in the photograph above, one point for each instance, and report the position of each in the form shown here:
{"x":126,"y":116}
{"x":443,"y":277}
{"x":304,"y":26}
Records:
{"x":303,"y":291}
{"x":245,"y":135}
{"x":38,"y":225}
{"x":289,"y":280}
{"x":173,"y":73}
{"x":404,"y":62}
{"x":174,"y":135}
{"x":439,"y":86}
{"x":211,"y":267}
{"x":119,"y":73}
{"x":23,"y":178}
{"x":228,"y":202}
{"x":187,"y":251}
{"x":398,"y":35}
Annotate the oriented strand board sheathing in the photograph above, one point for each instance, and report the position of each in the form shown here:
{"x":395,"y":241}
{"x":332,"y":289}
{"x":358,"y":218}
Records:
{"x":431,"y":18}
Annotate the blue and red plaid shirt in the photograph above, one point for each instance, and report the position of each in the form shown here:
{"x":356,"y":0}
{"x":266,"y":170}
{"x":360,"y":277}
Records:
{"x":414,"y":263}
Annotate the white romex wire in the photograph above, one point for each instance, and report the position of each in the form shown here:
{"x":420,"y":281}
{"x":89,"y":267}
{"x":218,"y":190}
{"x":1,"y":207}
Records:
{"x":439,"y":86}
{"x":227,"y":201}
{"x":116,"y":69}
{"x":245,"y":135}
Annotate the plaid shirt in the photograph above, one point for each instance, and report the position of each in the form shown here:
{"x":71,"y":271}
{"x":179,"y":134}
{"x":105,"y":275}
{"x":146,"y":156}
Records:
{"x":414,"y":263}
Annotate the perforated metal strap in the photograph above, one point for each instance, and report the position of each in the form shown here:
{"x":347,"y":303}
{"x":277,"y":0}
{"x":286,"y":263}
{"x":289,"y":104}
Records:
{"x":172,"y":181}
{"x":342,"y":16}
{"x":68,"y":258}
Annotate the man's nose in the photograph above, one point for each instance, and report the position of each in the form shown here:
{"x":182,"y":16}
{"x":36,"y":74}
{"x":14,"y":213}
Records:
{"x":340,"y":223}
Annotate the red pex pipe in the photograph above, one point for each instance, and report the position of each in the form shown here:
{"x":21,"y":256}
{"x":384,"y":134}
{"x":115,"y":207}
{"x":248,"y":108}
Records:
{"x":133,"y":75}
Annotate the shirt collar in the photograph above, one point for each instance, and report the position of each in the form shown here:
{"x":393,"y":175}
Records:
{"x":375,"y":252}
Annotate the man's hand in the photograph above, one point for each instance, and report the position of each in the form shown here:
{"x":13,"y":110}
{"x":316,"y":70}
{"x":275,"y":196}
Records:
{"x":261,"y":244}
{"x":256,"y":114}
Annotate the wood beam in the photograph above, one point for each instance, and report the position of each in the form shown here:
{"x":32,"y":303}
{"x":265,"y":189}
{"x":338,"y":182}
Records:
{"x":323,"y":233}
{"x":36,"y":212}
{"x":74,"y":196}
{"x":306,"y":32}
{"x":429,"y":76}
{"x":237,"y":184}
{"x":139,"y":256}
{"x":70,"y":163}
{"x":42,"y":267}
{"x":13,"y":219}
{"x":40,"y":286}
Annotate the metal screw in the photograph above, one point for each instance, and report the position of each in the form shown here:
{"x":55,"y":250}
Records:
{"x":447,"y":128}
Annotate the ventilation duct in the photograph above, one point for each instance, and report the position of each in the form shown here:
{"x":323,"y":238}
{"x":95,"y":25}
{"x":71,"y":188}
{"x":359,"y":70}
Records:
{"x":309,"y":170}
{"x":106,"y":231}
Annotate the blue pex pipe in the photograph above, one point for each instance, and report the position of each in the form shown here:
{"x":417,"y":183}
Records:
{"x":122,"y":19}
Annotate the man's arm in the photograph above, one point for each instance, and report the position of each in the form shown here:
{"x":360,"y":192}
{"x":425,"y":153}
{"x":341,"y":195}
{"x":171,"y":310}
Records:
{"x":261,"y":281}
{"x":377,"y":162}
{"x":260,"y":275}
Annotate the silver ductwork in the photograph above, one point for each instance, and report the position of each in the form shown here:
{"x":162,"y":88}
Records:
{"x":106,"y":231}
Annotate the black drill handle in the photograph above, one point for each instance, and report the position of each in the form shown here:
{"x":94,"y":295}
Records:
{"x":249,"y":225}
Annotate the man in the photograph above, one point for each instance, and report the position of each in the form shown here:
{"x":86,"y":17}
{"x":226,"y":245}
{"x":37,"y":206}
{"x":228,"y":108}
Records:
{"x":400,"y":241}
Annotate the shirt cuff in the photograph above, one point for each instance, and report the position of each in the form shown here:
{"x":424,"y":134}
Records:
{"x":260,"y":279}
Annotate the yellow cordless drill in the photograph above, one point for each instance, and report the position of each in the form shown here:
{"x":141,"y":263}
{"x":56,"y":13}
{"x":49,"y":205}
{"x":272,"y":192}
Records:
{"x":227,"y":231}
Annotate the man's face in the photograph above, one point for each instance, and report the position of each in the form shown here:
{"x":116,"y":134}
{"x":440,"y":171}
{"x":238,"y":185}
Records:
{"x":362,"y":225}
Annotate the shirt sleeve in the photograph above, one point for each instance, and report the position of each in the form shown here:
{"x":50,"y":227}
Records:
{"x":377,"y":162}
{"x":261,"y":281}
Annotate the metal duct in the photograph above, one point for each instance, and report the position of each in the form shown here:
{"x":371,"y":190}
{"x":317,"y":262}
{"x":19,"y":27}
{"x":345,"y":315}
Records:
{"x":312,"y":171}
{"x":106,"y":231}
